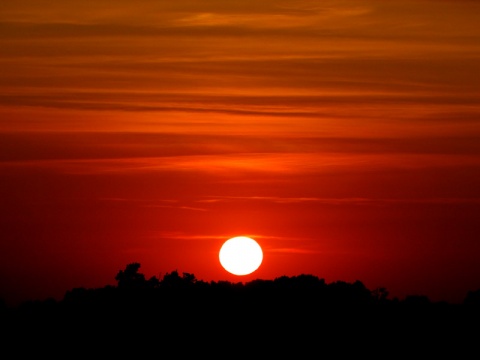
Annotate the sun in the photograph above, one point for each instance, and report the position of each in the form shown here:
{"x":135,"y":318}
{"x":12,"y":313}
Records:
{"x":240,"y":255}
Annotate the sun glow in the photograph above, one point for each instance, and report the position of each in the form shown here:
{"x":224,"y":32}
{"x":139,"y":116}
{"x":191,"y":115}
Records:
{"x":241,"y":255}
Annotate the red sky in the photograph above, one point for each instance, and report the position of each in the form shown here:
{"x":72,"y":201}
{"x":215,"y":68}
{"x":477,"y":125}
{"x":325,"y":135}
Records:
{"x":343,"y":136}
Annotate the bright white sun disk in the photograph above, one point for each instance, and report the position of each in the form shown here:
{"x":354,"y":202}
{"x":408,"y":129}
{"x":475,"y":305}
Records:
{"x":241,"y":255}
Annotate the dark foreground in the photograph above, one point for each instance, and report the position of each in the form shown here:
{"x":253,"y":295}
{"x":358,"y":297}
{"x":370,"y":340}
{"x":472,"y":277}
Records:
{"x":179,"y":317}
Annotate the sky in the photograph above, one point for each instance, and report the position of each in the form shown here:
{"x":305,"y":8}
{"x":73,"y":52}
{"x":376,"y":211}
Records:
{"x":343,"y":136}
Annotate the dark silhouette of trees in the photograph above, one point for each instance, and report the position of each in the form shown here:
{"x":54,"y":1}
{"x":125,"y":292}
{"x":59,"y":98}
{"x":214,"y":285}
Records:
{"x":472,"y":299}
{"x":302,"y":290}
{"x":130,"y":277}
{"x":174,"y":281}
{"x":300,"y":312}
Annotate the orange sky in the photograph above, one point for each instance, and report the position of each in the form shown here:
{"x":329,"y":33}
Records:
{"x":344,"y":136}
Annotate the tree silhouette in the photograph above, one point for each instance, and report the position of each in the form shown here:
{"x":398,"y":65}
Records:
{"x":130,"y":277}
{"x":300,"y":311}
{"x":472,"y":299}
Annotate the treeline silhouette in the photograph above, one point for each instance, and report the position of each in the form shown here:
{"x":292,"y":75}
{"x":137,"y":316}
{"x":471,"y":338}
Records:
{"x":301,"y":309}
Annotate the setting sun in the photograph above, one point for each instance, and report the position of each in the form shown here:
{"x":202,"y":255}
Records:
{"x":241,"y":255}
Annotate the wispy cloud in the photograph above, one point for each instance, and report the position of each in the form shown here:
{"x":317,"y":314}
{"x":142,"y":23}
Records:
{"x":269,"y":242}
{"x":156,"y":203}
{"x":294,"y":251}
{"x":234,"y":165}
{"x":344,"y":201}
{"x":307,"y":59}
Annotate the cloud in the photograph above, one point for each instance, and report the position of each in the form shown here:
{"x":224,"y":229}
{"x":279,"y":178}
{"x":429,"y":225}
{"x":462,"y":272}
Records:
{"x":345,"y":201}
{"x":293,"y":250}
{"x":268,"y":242}
{"x":274,"y":59}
